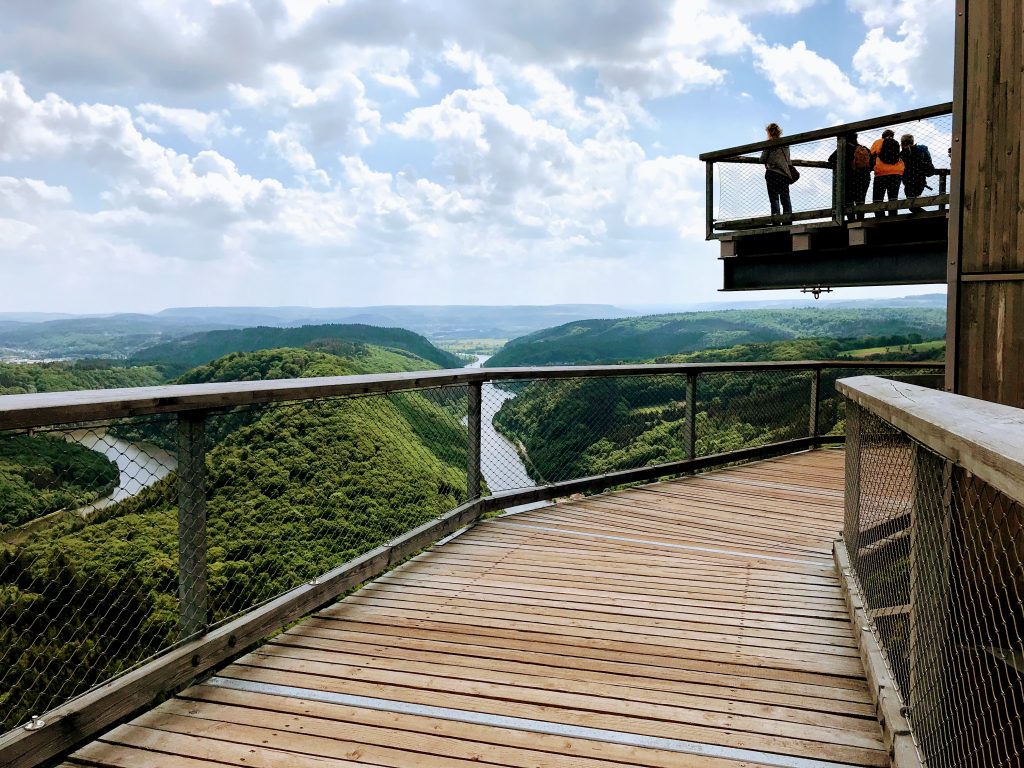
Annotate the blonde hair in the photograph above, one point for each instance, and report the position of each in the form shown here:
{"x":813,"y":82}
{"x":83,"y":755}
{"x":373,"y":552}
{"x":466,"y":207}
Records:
{"x":773,"y":129}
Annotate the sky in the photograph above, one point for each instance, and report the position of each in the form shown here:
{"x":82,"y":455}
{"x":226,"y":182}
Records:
{"x":160,"y":153}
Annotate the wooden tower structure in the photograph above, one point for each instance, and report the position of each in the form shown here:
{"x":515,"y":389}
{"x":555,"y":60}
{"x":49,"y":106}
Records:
{"x":985,"y":336}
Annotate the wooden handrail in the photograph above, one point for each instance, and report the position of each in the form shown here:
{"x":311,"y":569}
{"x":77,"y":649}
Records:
{"x":39,"y":410}
{"x":986,"y":439}
{"x":831,"y":132}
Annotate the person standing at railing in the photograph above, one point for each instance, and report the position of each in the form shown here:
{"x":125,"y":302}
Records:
{"x":858,"y":173}
{"x":888,"y":167}
{"x":778,"y":175}
{"x":918,"y":166}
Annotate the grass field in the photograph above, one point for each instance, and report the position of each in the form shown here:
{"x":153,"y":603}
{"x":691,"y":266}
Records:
{"x":924,"y":346}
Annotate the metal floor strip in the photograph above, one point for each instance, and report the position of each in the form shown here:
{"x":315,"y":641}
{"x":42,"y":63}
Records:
{"x":689,"y":547}
{"x":524,"y":724}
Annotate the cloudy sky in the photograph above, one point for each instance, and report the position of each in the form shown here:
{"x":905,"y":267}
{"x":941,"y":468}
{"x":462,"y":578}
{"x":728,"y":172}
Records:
{"x":159,"y":153}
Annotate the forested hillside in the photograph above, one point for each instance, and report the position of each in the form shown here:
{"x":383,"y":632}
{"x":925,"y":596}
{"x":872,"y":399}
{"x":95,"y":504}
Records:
{"x":182,"y":354}
{"x":22,"y":378}
{"x":581,"y":427}
{"x":294,"y":489}
{"x":644,"y":338}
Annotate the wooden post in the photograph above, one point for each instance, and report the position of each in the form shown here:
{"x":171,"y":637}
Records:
{"x":851,"y":518}
{"x":812,"y":421}
{"x":839,"y":182}
{"x":473,"y":452}
{"x":930,"y":564}
{"x":192,"y":588}
{"x":691,"y":415}
{"x":709,"y":199}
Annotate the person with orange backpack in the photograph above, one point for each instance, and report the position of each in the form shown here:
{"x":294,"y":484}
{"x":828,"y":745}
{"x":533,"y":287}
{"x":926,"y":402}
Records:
{"x":888,"y":168}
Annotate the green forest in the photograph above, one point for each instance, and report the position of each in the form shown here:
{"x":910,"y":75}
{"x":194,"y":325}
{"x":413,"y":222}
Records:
{"x":294,"y":490}
{"x":20,"y":378}
{"x":643,"y":338}
{"x":580,"y":427}
{"x":186,"y":353}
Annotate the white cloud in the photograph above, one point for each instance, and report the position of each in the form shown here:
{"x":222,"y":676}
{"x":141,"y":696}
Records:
{"x":199,"y":127}
{"x":803,"y":79}
{"x":909,"y":45}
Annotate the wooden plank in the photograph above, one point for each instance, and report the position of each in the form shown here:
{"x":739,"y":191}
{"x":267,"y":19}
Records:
{"x":586,"y":622}
{"x":555,"y":750}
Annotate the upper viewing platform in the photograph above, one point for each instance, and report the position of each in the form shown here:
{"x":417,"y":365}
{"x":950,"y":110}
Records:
{"x":840,"y":230}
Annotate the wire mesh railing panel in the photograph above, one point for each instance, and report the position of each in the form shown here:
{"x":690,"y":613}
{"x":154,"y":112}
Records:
{"x":939,"y":557}
{"x":298,"y":489}
{"x":564,"y":429}
{"x":878,"y":539}
{"x":832,"y":405}
{"x":88,"y":558}
{"x":744,"y":185}
{"x":751,"y":408}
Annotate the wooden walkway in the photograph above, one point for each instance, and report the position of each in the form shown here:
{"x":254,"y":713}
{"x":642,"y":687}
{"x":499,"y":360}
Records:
{"x":696,"y":622}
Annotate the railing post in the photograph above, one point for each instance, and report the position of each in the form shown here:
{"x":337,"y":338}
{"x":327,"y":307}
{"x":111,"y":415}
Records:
{"x":473,"y":452}
{"x":839,"y":181}
{"x":812,"y":422}
{"x":851,"y":517}
{"x":691,"y":415}
{"x":930,"y":584}
{"x":709,"y":199}
{"x":192,"y":588}
{"x":942,"y":189}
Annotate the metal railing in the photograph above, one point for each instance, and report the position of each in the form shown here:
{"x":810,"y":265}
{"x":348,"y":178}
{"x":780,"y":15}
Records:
{"x":934,"y":537}
{"x":827,"y":191}
{"x":149,"y":535}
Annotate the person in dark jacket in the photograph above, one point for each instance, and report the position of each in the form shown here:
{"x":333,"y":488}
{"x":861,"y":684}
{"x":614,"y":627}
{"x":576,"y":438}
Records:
{"x":917,"y":167}
{"x":858,"y":174}
{"x":778,"y":176}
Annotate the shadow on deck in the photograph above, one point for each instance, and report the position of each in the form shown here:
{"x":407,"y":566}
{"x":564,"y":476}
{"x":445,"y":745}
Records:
{"x":694,"y":622}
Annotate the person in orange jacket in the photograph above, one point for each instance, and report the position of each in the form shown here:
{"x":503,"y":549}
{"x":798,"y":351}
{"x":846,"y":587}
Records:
{"x":888,"y":168}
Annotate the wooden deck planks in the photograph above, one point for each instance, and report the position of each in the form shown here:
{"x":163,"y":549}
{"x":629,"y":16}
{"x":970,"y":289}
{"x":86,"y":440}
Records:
{"x":696,"y":622}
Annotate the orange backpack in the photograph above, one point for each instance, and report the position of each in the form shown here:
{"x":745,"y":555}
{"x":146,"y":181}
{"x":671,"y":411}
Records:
{"x":861,"y":158}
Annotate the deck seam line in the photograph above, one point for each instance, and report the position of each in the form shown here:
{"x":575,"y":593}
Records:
{"x":688,"y":547}
{"x":522,"y":724}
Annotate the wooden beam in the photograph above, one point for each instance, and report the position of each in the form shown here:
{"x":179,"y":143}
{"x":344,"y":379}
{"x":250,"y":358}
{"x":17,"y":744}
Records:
{"x":827,"y":133}
{"x":37,"y":410}
{"x":985,"y":438}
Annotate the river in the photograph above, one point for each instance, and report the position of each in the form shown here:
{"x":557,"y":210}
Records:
{"x":500,"y":463}
{"x":138,"y":464}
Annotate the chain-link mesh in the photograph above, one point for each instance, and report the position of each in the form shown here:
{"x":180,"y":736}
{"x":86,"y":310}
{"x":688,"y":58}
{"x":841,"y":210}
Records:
{"x":122,"y":539}
{"x":88,"y":567}
{"x":741,"y":191}
{"x":939,"y":557}
{"x":743,"y":410}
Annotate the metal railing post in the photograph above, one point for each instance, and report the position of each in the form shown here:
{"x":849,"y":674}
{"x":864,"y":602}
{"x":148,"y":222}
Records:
{"x":943,"y":188}
{"x":839,"y":182}
{"x":709,"y":199}
{"x":812,"y":422}
{"x":192,"y":587}
{"x":473,"y":451}
{"x":691,"y":415}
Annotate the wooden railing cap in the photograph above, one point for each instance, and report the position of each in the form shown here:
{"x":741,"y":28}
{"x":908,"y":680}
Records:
{"x":985,"y":438}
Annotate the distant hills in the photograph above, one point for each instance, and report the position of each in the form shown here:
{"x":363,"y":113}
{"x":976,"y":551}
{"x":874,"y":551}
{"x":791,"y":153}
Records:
{"x":643,"y":338}
{"x":196,"y":349}
{"x":434,"y":322}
